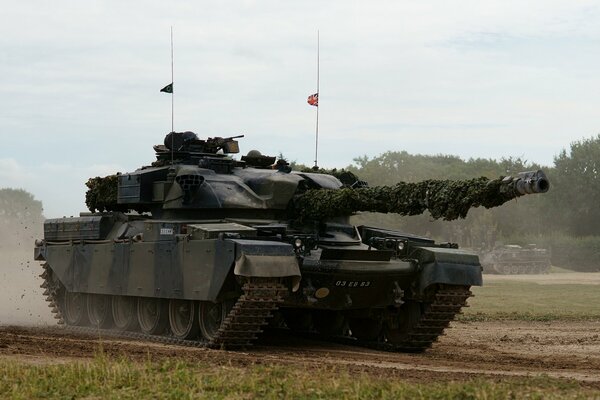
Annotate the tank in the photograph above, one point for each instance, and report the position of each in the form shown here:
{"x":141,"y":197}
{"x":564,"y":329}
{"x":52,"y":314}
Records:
{"x":514,"y":259}
{"x":202,"y":249}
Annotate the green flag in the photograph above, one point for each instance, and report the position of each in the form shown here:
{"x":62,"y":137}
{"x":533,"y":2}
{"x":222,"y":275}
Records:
{"x":168,"y":88}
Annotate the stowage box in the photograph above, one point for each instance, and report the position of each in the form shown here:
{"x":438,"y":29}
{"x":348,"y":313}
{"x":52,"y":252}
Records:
{"x":94,"y":227}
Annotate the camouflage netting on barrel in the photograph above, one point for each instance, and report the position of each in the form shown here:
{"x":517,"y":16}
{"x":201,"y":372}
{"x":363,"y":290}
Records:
{"x":444,"y":199}
{"x":102,"y":193}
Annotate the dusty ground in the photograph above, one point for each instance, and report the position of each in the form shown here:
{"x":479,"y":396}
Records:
{"x":493,"y":349}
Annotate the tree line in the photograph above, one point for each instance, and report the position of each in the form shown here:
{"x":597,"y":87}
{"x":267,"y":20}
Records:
{"x":571,"y":207}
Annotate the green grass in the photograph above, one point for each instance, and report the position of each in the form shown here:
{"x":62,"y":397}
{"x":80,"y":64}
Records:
{"x":559,"y":270}
{"x":176,"y":379}
{"x":533,"y":302}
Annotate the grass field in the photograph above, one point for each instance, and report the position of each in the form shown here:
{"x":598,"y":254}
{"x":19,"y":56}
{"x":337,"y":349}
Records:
{"x":533,"y":301}
{"x":104,"y":377}
{"x":122,"y":379}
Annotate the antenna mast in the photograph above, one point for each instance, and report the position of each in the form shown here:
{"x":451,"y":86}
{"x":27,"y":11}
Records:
{"x":172,"y":100}
{"x":318,"y":96}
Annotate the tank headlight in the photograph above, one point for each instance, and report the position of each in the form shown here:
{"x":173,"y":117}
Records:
{"x":298,"y":243}
{"x":400,"y":246}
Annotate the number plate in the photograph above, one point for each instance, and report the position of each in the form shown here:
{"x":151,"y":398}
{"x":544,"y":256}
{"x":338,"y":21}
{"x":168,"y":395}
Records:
{"x":353,"y":284}
{"x":166,"y":231}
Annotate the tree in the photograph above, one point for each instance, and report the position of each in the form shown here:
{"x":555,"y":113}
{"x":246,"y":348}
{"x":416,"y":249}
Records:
{"x":19,"y":204}
{"x":575,"y":196}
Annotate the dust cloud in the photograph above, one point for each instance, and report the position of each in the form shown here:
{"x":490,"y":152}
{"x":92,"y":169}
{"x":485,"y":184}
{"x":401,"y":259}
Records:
{"x":21,"y":298}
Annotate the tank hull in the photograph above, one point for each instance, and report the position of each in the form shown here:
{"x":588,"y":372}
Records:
{"x":108,"y":274}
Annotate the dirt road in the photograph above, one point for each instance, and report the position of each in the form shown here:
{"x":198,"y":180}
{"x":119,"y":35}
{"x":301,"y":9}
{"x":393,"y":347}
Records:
{"x":497,"y":349}
{"x":562,"y":349}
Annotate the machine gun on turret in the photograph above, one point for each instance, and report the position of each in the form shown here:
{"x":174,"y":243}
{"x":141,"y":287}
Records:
{"x":229,"y":145}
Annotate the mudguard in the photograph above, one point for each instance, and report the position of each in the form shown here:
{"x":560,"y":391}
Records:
{"x":259,"y":258}
{"x":447,"y":266}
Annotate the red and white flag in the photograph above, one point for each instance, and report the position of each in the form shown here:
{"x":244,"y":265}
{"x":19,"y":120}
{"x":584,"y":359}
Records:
{"x":313,"y":100}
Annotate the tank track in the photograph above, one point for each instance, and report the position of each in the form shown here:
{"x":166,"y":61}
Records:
{"x":249,"y":313}
{"x":51,"y":289}
{"x":240,"y":328}
{"x":257,"y":304}
{"x":445,"y":304}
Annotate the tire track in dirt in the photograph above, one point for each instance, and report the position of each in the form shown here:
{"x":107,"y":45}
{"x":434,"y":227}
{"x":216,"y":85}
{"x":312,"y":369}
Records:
{"x":568,"y":350}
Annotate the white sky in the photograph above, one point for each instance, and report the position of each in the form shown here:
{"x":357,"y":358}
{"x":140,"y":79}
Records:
{"x":80,"y":82}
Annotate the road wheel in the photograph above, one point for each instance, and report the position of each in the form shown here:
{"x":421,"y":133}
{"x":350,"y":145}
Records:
{"x":368,"y":329}
{"x":74,"y":308}
{"x":124,"y":313}
{"x":211,"y":316}
{"x":153,"y":315}
{"x":99,"y":310}
{"x":183,"y":319}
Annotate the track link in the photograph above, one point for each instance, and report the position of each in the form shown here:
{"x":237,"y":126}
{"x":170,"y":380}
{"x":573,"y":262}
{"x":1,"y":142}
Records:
{"x":447,"y":303}
{"x":250,"y":312}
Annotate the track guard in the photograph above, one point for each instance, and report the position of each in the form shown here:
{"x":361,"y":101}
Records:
{"x":263,"y":259}
{"x":448,"y":266}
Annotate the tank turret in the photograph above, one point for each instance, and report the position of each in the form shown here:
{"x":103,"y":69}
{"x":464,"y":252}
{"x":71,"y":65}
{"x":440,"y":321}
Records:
{"x":199,"y":179}
{"x":202,"y":247}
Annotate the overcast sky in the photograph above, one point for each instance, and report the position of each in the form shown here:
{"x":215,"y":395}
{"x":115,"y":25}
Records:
{"x":80,"y":82}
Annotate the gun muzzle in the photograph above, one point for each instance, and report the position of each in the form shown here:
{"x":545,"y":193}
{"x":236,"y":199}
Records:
{"x":531,"y":182}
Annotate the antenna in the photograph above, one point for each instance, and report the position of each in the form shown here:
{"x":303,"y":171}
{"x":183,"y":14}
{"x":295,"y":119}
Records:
{"x":172,"y":101}
{"x":318,"y":96}
{"x":169,"y":89}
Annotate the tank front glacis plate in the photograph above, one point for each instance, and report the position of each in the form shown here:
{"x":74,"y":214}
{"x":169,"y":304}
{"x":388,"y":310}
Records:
{"x":344,"y":285}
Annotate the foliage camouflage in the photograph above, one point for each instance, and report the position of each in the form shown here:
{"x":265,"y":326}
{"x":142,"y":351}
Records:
{"x":102,"y":193}
{"x":443,"y":198}
{"x":348,"y":178}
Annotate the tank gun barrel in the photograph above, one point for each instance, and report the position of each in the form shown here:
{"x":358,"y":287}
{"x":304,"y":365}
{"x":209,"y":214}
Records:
{"x":445,"y":199}
{"x":531,"y":182}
